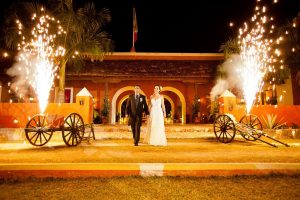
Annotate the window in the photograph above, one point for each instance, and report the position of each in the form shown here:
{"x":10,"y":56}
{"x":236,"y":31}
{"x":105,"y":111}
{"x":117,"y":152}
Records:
{"x":68,"y":95}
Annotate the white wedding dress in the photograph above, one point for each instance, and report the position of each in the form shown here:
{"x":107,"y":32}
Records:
{"x":155,"y":134}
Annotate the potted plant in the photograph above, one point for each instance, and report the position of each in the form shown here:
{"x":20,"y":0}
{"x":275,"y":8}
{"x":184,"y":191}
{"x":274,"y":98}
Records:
{"x":196,"y":110}
{"x":105,"y":110}
{"x":169,"y":119}
{"x":214,"y":110}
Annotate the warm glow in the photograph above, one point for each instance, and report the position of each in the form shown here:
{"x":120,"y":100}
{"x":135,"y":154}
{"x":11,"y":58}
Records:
{"x":5,"y":54}
{"x":38,"y":57}
{"x":258,"y":55}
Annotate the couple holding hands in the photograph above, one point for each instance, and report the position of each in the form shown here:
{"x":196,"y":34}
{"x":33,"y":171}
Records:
{"x":136,"y":105}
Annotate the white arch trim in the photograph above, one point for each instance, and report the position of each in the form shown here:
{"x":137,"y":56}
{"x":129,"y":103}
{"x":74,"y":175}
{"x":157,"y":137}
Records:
{"x":182,"y":100}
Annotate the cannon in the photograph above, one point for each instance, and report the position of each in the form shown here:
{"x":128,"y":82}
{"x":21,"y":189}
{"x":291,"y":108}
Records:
{"x":40,"y":129}
{"x":249,"y":127}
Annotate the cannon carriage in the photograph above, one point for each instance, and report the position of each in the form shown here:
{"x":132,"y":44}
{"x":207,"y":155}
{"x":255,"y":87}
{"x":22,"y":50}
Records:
{"x":249,"y":127}
{"x":40,"y":128}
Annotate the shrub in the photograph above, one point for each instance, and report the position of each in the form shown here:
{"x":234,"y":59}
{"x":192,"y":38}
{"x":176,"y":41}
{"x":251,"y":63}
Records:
{"x":272,"y":123}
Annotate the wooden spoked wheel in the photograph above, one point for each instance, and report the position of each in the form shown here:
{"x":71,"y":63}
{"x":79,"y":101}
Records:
{"x":254,"y":124}
{"x":36,"y":132}
{"x":73,"y":129}
{"x":224,"y":128}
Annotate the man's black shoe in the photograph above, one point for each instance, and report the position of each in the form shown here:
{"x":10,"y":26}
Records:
{"x":136,"y":144}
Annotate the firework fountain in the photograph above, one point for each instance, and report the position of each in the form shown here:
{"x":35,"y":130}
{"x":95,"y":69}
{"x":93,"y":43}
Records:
{"x":246,"y":70}
{"x":37,"y":61}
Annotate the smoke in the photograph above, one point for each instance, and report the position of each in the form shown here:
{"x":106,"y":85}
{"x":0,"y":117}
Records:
{"x":32,"y":72}
{"x":232,"y":79}
{"x":23,"y":74}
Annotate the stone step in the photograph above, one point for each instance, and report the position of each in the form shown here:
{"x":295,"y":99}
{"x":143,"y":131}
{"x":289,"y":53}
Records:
{"x":124,"y":132}
{"x":168,"y":128}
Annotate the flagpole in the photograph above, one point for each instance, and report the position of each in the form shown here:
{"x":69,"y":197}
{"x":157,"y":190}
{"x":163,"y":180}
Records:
{"x":134,"y":29}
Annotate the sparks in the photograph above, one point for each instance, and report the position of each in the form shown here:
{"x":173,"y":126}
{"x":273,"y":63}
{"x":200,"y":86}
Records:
{"x":257,"y":55}
{"x":38,"y":55}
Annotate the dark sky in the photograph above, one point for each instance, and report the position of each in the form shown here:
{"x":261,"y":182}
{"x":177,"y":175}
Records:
{"x":187,"y":26}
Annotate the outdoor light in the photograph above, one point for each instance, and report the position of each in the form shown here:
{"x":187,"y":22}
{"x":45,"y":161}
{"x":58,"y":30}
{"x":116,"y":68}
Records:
{"x":81,"y":102}
{"x":5,"y":54}
{"x":293,"y":133}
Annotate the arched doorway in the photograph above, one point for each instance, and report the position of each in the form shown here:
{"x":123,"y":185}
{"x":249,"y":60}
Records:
{"x":114,"y":101}
{"x":182,"y":100}
{"x":131,"y":88}
{"x":169,"y":104}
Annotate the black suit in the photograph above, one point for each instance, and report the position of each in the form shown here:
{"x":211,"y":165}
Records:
{"x":135,"y":108}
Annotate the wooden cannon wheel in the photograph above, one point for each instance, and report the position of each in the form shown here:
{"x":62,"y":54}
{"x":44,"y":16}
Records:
{"x":224,"y":128}
{"x":73,"y":129}
{"x":253,"y":123}
{"x":36,"y":132}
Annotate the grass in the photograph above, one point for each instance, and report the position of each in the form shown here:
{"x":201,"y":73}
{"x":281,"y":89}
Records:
{"x":274,"y":186}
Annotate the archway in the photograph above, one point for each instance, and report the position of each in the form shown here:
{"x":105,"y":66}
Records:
{"x":182,"y":100}
{"x":171,"y":102}
{"x":114,"y":101}
{"x":127,"y":88}
{"x":121,"y":101}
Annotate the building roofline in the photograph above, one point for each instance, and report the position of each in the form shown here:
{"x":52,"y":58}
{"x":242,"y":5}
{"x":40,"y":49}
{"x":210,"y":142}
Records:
{"x":156,"y":56}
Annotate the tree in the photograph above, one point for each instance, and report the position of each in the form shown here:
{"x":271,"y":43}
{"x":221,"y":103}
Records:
{"x":230,"y":47}
{"x":19,"y":10}
{"x":84,"y":32}
{"x":291,"y":45}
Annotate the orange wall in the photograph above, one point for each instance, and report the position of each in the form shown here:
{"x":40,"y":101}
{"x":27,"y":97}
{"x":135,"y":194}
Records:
{"x":97,"y":89}
{"x":288,"y":114}
{"x":16,"y":115}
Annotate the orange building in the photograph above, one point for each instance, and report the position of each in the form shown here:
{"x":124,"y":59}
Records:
{"x":187,"y":79}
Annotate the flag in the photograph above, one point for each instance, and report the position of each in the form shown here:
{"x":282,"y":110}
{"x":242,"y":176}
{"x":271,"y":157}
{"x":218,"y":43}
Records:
{"x":134,"y":30}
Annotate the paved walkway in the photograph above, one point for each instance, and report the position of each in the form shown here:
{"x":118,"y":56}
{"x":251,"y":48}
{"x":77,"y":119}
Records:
{"x":182,"y":157}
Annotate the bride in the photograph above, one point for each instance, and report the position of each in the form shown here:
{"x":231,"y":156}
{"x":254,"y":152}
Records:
{"x":155,"y":134}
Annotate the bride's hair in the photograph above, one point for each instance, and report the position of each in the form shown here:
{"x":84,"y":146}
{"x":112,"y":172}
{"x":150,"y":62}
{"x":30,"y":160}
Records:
{"x":159,"y":87}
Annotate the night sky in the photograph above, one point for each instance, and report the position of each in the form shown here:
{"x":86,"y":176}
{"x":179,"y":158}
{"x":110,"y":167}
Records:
{"x":187,"y":26}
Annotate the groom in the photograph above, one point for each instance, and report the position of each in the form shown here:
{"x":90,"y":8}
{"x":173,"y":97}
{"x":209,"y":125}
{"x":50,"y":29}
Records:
{"x":136,"y":105}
